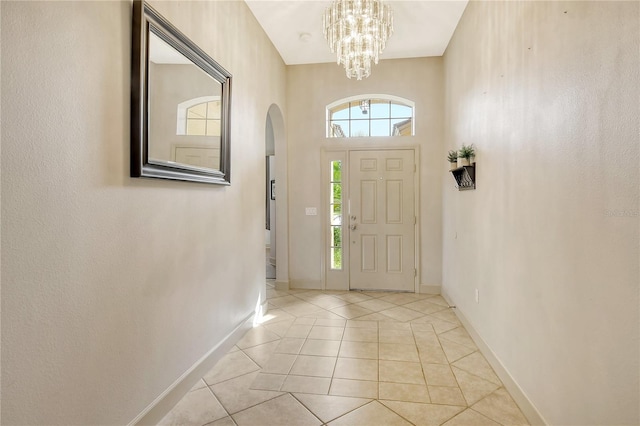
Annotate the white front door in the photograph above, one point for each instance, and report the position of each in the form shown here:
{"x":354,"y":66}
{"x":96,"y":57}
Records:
{"x":382,"y":220}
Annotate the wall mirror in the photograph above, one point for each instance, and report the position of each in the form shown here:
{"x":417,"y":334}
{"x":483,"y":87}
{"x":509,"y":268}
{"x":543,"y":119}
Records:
{"x":180,"y":103}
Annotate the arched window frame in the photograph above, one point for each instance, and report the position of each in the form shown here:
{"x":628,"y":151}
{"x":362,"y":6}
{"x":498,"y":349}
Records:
{"x":358,"y":98}
{"x":181,"y":128}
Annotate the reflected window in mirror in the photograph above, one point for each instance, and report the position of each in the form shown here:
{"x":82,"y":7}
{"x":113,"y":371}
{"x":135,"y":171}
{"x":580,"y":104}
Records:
{"x":199,"y":117}
{"x":204,"y":119}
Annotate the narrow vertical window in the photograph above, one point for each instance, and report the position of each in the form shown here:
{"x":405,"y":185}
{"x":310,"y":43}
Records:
{"x":335,"y":214}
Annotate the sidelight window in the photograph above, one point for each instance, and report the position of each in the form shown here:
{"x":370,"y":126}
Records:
{"x":335,"y":214}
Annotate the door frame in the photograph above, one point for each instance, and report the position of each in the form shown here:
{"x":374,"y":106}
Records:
{"x":339,"y":279}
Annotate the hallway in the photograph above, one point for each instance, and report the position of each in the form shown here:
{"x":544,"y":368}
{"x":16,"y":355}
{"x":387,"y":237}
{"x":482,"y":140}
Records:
{"x":351,"y":358}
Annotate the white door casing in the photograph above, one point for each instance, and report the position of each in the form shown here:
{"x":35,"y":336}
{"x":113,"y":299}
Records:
{"x":382,"y":220}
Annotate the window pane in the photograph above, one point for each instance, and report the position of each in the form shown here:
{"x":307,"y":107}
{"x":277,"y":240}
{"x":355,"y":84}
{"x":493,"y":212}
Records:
{"x":379,"y":108}
{"x":197,"y":111}
{"x":336,"y":171}
{"x":336,"y":193}
{"x":400,"y":111}
{"x":336,"y":258}
{"x":213,"y":127}
{"x":339,"y":129}
{"x":195,"y":127}
{"x":336,"y":236}
{"x":359,"y":128}
{"x":402,"y":127}
{"x":336,"y":217}
{"x":340,"y":112}
{"x":357,"y":112}
{"x":380,"y":127}
{"x":213,"y":110}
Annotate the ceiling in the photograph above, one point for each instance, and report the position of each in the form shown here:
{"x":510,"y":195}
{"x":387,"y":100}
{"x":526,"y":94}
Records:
{"x":421,"y":28}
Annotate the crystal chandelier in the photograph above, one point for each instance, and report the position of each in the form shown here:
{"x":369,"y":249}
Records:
{"x":357,"y":31}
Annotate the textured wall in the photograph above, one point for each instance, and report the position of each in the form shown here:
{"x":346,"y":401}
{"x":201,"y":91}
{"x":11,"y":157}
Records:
{"x":310,"y":89}
{"x":112,"y":287}
{"x":549,"y":94}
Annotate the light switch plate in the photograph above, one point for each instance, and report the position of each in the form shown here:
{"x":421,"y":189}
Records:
{"x":311,"y":211}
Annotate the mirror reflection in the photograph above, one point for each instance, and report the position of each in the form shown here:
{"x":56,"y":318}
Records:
{"x":184,"y":110}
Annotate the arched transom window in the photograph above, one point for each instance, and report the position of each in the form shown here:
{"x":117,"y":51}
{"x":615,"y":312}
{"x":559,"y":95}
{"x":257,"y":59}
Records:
{"x":370,"y":115}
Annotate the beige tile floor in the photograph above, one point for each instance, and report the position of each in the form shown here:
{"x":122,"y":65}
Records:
{"x":351,"y":358}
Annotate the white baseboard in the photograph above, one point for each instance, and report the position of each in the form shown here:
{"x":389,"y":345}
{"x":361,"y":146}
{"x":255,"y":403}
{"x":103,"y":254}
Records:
{"x":528,"y":409}
{"x":306,"y":284}
{"x":282,"y":285}
{"x":429,"y":289}
{"x":174,"y":393}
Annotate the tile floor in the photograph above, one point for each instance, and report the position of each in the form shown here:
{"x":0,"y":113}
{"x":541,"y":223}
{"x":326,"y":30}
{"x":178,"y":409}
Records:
{"x":351,"y":358}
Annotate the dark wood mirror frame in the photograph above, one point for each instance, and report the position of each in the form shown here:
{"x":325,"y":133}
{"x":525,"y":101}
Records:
{"x":145,"y":21}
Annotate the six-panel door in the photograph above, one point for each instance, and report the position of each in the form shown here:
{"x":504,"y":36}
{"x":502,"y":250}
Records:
{"x":382,"y":220}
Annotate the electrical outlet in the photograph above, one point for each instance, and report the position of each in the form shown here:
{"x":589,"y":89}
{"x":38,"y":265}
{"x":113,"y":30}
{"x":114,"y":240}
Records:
{"x":477,"y":296}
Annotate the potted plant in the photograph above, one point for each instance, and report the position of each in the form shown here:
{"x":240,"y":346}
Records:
{"x":452,"y":156}
{"x":466,"y":153}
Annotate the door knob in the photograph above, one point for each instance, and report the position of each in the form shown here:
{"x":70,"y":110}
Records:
{"x":353,"y":217}
{"x":353,"y":227}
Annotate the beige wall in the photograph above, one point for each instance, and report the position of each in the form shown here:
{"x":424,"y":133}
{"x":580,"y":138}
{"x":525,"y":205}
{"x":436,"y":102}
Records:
{"x":549,"y":94}
{"x":113,"y":287}
{"x":310,"y":88}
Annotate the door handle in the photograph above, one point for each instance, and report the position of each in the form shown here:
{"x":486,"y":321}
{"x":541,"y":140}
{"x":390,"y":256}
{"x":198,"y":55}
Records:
{"x":353,"y":227}
{"x":353,"y":217}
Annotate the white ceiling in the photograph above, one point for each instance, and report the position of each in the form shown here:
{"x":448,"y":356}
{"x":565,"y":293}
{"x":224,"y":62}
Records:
{"x":421,"y":28}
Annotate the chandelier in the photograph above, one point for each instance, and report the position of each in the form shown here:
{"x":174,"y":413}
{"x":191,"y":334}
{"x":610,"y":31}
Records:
{"x":357,"y":31}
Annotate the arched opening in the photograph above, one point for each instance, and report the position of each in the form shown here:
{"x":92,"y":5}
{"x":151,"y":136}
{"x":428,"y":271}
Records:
{"x":270,"y":200}
{"x":276,"y":199}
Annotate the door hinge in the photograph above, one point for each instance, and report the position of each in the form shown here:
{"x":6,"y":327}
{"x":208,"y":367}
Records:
{"x":415,"y":272}
{"x":415,"y":220}
{"x":415,"y":168}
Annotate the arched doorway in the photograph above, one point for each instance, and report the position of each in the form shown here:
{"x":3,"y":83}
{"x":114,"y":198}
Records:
{"x":276,"y":199}
{"x":270,"y":200}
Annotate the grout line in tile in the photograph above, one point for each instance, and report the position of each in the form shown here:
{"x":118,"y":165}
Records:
{"x":219,"y":402}
{"x":457,"y":383}
{"x":254,"y":405}
{"x":232,"y":378}
{"x":424,"y":376}
{"x":393,"y":411}
{"x":333,"y":373}
{"x":229,"y":416}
